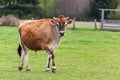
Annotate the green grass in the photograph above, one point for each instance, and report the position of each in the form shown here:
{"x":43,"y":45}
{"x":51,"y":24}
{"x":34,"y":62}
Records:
{"x":84,"y":54}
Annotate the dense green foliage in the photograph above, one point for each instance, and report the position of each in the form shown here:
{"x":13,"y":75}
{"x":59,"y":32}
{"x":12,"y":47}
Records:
{"x":21,"y":8}
{"x":84,"y":54}
{"x":81,"y":9}
{"x":16,"y":2}
{"x":115,"y":15}
{"x":95,"y":5}
{"x":49,"y":7}
{"x":22,"y":11}
{"x":26,"y":8}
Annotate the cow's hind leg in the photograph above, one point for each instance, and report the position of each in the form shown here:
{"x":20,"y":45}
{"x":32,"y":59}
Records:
{"x":20,"y":67}
{"x":24,"y":57}
{"x":50,"y":56}
{"x":21,"y":56}
{"x":27,"y":64}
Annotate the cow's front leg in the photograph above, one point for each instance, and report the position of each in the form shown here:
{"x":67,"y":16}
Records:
{"x":53,"y":64}
{"x":50,"y":56}
{"x":48,"y":63}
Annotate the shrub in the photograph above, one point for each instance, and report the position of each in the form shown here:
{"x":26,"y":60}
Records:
{"x":95,"y":5}
{"x":114,"y":15}
{"x":22,"y":11}
{"x":9,"y":20}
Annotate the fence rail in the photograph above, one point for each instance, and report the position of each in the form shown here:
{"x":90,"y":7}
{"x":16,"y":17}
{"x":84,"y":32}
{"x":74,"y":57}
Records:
{"x":105,"y":21}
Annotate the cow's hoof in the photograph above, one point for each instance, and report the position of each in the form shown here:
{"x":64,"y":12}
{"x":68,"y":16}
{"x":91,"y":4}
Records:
{"x":20,"y":68}
{"x":54,"y":70}
{"x":28,"y":70}
{"x":47,"y":69}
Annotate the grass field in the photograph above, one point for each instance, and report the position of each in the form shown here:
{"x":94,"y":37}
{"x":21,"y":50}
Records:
{"x":84,"y":54}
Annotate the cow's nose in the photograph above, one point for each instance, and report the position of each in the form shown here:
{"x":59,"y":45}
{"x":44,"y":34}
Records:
{"x":62,"y":33}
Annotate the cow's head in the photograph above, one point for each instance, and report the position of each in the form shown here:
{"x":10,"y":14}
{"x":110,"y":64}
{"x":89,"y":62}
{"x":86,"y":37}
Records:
{"x":61,"y":23}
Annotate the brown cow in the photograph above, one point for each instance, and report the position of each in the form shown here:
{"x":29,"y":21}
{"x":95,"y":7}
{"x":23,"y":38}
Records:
{"x":44,"y":34}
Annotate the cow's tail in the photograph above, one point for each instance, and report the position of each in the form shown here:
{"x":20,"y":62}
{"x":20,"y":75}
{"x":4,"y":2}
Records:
{"x":19,"y":50}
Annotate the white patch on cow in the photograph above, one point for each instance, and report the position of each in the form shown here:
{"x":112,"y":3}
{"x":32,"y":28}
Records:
{"x":26,"y":58}
{"x":55,"y":44}
{"x":48,"y":69}
{"x":54,"y":67}
{"x":58,"y":24}
{"x":62,"y":31}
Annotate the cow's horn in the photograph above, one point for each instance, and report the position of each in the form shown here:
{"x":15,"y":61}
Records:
{"x":54,"y":18}
{"x":67,"y":17}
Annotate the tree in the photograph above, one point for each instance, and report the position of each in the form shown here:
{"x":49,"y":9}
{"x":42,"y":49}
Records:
{"x":49,"y":7}
{"x":1,"y":2}
{"x":16,"y":2}
{"x":95,"y":5}
{"x":21,"y":8}
{"x":33,"y":2}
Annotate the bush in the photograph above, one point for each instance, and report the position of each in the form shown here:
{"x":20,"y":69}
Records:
{"x":9,"y":20}
{"x":95,"y":5}
{"x":22,"y":11}
{"x":114,"y":15}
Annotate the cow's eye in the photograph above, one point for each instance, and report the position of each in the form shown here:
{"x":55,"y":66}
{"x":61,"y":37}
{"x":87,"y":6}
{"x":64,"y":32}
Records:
{"x":57,"y":24}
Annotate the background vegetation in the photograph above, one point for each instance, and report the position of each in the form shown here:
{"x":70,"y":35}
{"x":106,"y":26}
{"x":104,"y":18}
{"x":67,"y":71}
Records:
{"x":95,"y":5}
{"x":81,"y":9}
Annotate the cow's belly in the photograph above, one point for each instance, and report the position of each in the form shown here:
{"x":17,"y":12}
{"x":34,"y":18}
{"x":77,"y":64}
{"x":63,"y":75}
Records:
{"x":41,"y":46}
{"x":36,"y":44}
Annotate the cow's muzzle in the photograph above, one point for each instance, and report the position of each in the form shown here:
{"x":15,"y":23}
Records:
{"x":62,"y":33}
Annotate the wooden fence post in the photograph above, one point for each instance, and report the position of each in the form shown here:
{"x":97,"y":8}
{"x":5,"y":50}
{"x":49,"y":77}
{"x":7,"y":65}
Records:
{"x":32,"y":18}
{"x":74,"y":23}
{"x":102,"y":18}
{"x":95,"y":23}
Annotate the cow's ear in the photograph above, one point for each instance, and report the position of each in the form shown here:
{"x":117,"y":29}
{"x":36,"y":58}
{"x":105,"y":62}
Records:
{"x":69,"y":21}
{"x":52,"y":21}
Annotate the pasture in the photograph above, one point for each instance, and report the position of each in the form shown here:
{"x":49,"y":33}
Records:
{"x":84,"y":54}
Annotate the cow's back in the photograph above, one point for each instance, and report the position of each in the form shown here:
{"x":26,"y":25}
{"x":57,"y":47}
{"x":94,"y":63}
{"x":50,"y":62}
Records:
{"x":37,"y":34}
